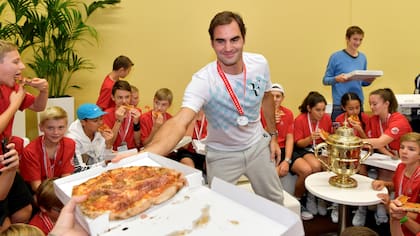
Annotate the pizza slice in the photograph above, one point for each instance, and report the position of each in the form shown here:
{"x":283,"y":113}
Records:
{"x":409,"y":206}
{"x":354,"y":118}
{"x":127,"y":106}
{"x":156,"y":114}
{"x":324,"y":134}
{"x":103,"y":127}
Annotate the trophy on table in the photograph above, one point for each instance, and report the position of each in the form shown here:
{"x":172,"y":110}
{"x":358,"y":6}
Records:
{"x":343,"y":150}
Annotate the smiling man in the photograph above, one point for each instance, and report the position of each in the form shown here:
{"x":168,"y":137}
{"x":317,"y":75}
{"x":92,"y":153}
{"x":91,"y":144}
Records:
{"x":231,"y":91}
{"x":345,"y":61}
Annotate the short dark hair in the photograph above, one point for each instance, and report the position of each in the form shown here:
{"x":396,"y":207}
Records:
{"x":224,"y":18}
{"x":354,"y":30}
{"x":121,"y":85}
{"x":122,"y":62}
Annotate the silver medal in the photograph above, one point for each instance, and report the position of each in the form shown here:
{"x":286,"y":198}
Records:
{"x":242,"y":120}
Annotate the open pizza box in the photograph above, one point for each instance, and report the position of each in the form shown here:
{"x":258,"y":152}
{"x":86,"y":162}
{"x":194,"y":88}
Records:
{"x":195,"y":210}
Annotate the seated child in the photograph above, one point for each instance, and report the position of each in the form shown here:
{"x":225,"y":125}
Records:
{"x":49,"y":205}
{"x":51,"y":154}
{"x":123,"y":119}
{"x":92,"y":137}
{"x":406,"y":181}
{"x":152,"y":120}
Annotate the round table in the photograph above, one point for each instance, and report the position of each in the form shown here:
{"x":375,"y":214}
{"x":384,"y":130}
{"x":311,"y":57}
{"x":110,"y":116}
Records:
{"x":362,"y":195}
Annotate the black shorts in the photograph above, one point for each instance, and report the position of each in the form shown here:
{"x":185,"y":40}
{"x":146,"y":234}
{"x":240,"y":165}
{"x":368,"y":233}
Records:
{"x":198,"y":159}
{"x":19,"y":197}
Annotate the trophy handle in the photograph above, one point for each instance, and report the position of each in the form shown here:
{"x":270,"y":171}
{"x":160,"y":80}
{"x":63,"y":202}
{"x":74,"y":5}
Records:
{"x":317,"y":148}
{"x":364,"y":144}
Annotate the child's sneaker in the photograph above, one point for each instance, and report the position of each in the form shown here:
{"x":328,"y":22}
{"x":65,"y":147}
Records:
{"x":380,"y":215}
{"x":305,"y":214}
{"x":334,"y":213}
{"x":311,"y":204}
{"x":322,"y":207}
{"x":359,"y":217}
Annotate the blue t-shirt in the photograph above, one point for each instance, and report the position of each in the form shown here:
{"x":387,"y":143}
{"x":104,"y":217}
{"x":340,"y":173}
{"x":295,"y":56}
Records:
{"x":341,"y":62}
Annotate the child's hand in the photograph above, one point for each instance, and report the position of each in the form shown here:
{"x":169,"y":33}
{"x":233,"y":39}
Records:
{"x":384,"y":198}
{"x":17,"y":96}
{"x":395,"y":209}
{"x":40,"y":84}
{"x":378,"y":185}
{"x":120,"y":113}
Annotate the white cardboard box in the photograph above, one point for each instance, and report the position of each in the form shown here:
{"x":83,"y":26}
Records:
{"x":364,"y":74}
{"x":230,"y":210}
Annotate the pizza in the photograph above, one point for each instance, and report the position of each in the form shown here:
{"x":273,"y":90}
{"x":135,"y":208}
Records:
{"x":354,"y":118}
{"x":156,"y":114}
{"x":409,"y":206}
{"x":324,"y":134}
{"x":127,"y":107}
{"x":128,"y":191}
{"x":103,"y":127}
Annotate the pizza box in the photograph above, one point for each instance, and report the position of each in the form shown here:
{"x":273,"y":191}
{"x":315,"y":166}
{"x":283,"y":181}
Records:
{"x":364,"y":74}
{"x":225,"y":209}
{"x":63,"y":187}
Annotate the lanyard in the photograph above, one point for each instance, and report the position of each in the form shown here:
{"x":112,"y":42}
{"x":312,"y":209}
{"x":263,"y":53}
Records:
{"x":230,"y":90}
{"x":382,"y":130}
{"x":310,"y":128}
{"x":409,"y":183}
{"x":47,"y":221}
{"x":127,"y":125}
{"x":49,"y":169}
{"x":198,"y":133}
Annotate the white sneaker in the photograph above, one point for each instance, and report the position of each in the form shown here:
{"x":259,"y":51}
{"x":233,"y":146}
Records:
{"x":311,"y":204}
{"x":322,"y":207}
{"x":305,"y":214}
{"x":334,"y":213}
{"x":359,"y":218}
{"x":380,"y":215}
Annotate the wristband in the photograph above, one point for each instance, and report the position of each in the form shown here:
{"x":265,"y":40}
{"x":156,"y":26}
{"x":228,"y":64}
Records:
{"x":403,"y":220}
{"x":136,"y":127}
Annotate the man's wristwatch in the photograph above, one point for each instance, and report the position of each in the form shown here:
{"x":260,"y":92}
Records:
{"x":274,"y":133}
{"x":288,"y":160}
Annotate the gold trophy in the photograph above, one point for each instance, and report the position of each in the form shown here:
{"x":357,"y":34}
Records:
{"x":343,"y":150}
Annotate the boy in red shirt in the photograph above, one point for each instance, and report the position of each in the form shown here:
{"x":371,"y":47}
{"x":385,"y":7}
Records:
{"x":120,"y":69}
{"x":152,"y":120}
{"x":123,"y":118}
{"x":51,"y":154}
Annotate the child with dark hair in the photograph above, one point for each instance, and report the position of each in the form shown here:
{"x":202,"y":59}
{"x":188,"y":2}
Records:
{"x":387,"y":126}
{"x":123,"y":119}
{"x":307,"y":127}
{"x":49,"y":205}
{"x":120,"y":69}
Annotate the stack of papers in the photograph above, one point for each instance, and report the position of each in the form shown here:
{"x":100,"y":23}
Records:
{"x":364,"y":74}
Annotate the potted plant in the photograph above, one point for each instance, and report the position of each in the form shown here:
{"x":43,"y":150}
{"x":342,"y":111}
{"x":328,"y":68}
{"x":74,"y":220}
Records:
{"x":50,"y":30}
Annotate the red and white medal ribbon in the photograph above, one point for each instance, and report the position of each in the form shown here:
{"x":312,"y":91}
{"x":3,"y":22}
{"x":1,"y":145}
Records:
{"x":242,"y":119}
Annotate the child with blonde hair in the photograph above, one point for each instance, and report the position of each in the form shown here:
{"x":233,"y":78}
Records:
{"x":51,"y":154}
{"x":406,"y":181}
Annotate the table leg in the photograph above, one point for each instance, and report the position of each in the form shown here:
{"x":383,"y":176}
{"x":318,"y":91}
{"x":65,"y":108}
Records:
{"x":342,"y":218}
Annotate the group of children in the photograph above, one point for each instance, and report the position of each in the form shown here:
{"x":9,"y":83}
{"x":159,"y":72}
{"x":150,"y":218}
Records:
{"x":386,"y":129}
{"x":114,"y":124}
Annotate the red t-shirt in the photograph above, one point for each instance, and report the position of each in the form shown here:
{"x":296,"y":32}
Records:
{"x":301,"y":127}
{"x":284,"y":127}
{"x":396,"y":126}
{"x":105,"y":94}
{"x":365,"y":120}
{"x":32,"y":165}
{"x":43,"y":222}
{"x":126,"y":132}
{"x":5,"y":92}
{"x":410,"y":187}
{"x":146,"y":124}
